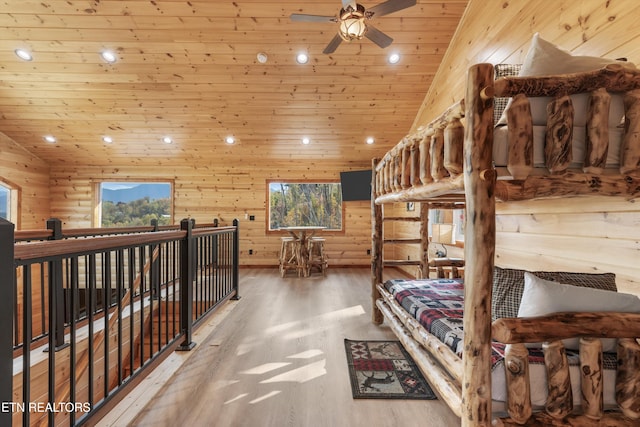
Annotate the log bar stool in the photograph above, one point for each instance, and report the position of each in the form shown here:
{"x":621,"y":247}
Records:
{"x":289,"y":256}
{"x":440,"y":264}
{"x":317,"y":257}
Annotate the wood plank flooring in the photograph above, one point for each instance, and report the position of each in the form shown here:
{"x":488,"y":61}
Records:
{"x":277,"y":359}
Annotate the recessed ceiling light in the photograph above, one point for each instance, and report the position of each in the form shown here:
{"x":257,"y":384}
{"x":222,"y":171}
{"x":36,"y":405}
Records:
{"x":302,"y":58}
{"x":394,"y":58}
{"x":50,"y":138}
{"x":107,"y":139}
{"x":109,"y":56}
{"x":230,"y":140}
{"x":167,"y":140}
{"x":370,"y":140}
{"x":306,"y":141}
{"x":262,"y":57}
{"x":23,"y":54}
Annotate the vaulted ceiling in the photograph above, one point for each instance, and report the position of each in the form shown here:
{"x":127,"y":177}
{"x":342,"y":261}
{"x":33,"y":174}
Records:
{"x":189,"y":70}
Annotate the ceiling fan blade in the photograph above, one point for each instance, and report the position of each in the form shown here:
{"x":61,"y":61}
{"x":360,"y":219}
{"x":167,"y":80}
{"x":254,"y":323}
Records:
{"x":312,"y":18}
{"x":333,"y":44}
{"x":377,"y":36}
{"x":390,"y":6}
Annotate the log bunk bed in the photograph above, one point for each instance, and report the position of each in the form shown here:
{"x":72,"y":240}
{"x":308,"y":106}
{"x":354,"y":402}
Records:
{"x":446,"y":163}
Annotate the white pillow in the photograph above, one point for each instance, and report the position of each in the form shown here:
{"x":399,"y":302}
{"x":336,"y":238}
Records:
{"x":545,"y":58}
{"x":542,"y":297}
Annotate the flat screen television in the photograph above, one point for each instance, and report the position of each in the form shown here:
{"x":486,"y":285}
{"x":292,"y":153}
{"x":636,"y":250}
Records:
{"x":356,"y":185}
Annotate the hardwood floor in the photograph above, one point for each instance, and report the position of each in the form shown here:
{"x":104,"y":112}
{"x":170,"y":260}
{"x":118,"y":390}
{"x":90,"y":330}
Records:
{"x":277,"y":359}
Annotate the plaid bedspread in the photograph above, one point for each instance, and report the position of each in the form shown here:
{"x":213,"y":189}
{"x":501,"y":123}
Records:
{"x":438,"y":305}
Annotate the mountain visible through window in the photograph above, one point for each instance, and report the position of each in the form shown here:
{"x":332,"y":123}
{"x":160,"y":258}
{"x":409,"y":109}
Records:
{"x":130,"y":204}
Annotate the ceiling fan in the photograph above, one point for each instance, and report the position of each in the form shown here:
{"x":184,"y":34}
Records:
{"x":352,"y":19}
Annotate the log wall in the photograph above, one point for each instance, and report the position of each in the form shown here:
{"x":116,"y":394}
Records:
{"x":21,"y":169}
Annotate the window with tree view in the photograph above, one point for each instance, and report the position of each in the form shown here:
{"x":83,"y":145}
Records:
{"x":130,"y":204}
{"x":5,"y":202}
{"x":294,"y":204}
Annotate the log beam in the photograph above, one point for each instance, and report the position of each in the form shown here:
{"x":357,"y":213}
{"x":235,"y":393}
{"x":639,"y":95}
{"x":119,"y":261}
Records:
{"x":597,"y":136}
{"x":559,"y":326}
{"x":559,"y":396}
{"x":516,"y":365}
{"x":479,"y":183}
{"x":520,"y":136}
{"x":559,"y":134}
{"x":591,"y":377}
{"x":630,"y":151}
{"x":615,"y":77}
{"x":628,"y":378}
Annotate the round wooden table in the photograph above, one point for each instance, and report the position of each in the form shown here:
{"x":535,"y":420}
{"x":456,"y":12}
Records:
{"x":301,"y":234}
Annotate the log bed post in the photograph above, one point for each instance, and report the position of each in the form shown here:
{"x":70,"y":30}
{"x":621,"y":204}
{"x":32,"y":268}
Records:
{"x":424,"y":239}
{"x":376,"y":248}
{"x":479,"y":182}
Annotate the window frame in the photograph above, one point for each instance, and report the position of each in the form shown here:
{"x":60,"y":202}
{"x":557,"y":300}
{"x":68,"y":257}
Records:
{"x":269,"y":231}
{"x":97,"y":196}
{"x":15,"y":193}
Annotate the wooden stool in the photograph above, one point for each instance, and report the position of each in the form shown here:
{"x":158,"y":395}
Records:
{"x":440,"y":264}
{"x":317,"y":257}
{"x":289,"y":256}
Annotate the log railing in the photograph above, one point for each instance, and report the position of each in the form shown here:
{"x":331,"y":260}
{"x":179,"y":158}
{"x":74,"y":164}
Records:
{"x":142,"y":291}
{"x":550,"y":330}
{"x":428,"y":164}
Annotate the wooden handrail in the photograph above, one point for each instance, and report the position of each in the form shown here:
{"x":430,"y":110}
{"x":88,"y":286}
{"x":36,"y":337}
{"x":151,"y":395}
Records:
{"x":51,"y":248}
{"x":615,"y":77}
{"x":560,"y":326}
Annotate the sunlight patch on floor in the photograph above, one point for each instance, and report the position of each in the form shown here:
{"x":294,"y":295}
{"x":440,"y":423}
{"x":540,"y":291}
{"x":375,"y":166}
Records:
{"x":344,"y":313}
{"x":265,"y":397}
{"x":238,"y":397}
{"x":300,"y":328}
{"x":264,"y":368}
{"x":300,"y":375}
{"x":306,"y":354}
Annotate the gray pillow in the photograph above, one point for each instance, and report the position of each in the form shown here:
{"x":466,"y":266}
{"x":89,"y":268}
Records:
{"x":508,"y":285}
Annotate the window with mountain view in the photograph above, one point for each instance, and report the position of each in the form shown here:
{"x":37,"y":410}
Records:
{"x":5,"y":202}
{"x":293,"y":204}
{"x":129,"y":204}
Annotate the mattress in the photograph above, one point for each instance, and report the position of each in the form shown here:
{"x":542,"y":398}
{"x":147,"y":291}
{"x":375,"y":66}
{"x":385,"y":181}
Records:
{"x":501,"y":146}
{"x":438,"y":305}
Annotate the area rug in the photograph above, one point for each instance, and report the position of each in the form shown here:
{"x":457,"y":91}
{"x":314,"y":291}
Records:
{"x":384,"y":370}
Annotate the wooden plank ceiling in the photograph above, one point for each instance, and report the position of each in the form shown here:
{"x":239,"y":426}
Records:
{"x":189,"y":70}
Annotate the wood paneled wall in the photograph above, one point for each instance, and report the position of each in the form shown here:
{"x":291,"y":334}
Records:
{"x":223,"y":193}
{"x":589,"y":234}
{"x":30,"y":175}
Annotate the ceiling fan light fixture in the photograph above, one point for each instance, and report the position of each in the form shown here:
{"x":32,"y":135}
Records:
{"x":352,"y":25}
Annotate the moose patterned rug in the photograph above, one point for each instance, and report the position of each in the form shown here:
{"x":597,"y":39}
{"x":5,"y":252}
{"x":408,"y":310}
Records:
{"x":384,"y":370}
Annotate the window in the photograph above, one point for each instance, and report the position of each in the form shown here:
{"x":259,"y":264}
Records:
{"x":5,"y":202}
{"x":9,"y":195}
{"x":305,"y":204}
{"x":129,"y":204}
